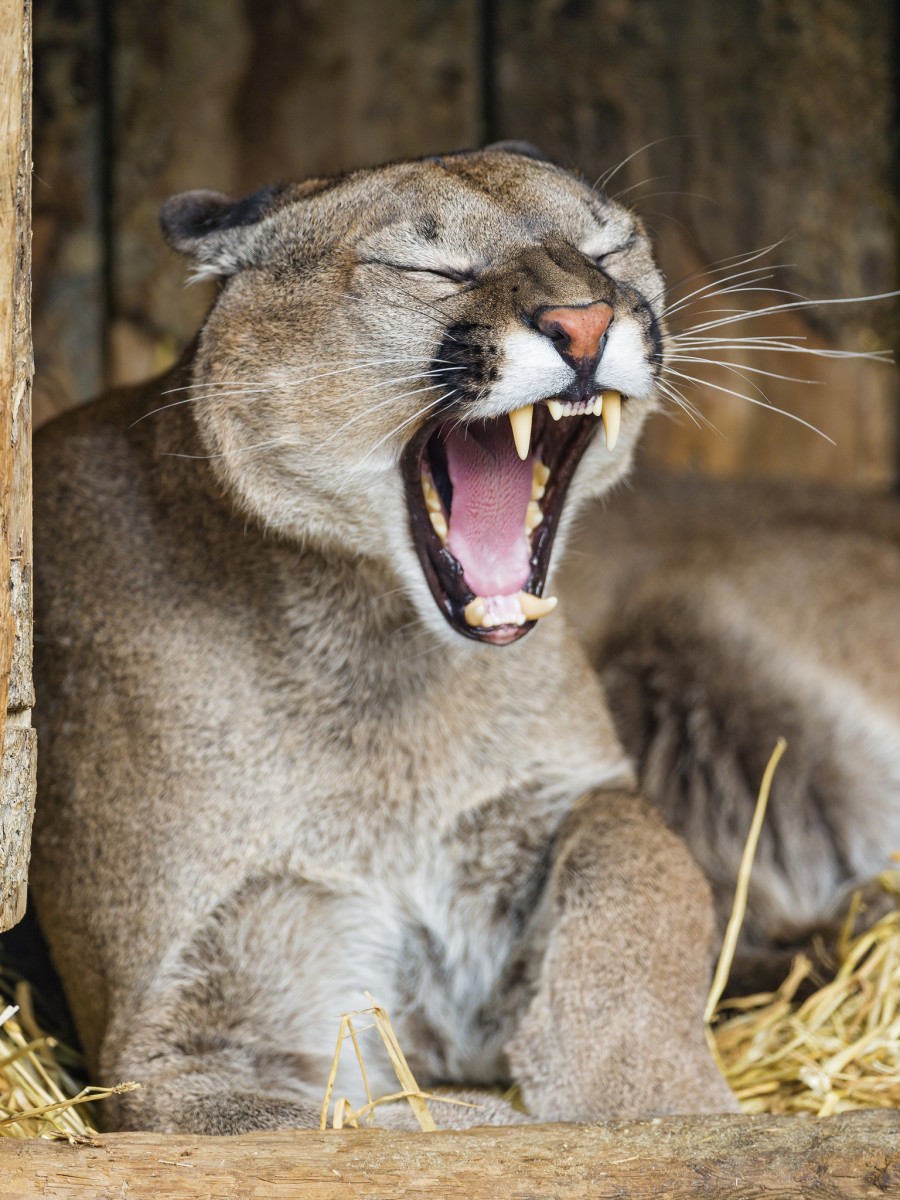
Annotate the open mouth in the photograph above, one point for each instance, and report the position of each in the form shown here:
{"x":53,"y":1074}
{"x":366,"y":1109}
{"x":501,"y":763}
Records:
{"x":485,"y":499}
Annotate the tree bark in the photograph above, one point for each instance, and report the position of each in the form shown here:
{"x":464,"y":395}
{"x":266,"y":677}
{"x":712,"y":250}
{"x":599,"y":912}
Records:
{"x":16,"y":693}
{"x":855,"y":1155}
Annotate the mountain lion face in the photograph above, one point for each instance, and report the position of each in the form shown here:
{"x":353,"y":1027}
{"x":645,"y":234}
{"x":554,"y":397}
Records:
{"x":428,"y":363}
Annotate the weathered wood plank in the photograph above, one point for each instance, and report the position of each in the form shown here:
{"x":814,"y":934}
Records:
{"x":67,"y":218}
{"x":759,"y":142}
{"x":17,"y":780}
{"x":233,"y":96}
{"x":17,"y":792}
{"x":856,"y":1155}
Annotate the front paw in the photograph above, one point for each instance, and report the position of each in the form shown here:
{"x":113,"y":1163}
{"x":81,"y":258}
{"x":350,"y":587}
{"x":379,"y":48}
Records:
{"x":626,"y":1065}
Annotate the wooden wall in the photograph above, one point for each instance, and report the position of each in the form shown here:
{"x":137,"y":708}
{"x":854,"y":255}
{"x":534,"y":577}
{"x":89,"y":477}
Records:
{"x":762,"y":119}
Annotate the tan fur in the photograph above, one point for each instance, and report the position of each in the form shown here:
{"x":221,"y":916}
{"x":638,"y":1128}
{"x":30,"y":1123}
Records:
{"x":272,"y":776}
{"x":723,"y":617}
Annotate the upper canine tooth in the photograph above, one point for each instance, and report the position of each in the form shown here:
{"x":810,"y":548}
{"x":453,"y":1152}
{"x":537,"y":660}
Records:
{"x":520,"y":419}
{"x":535,"y":607}
{"x":439,"y":524}
{"x":612,"y":417}
{"x":556,"y":409}
{"x":474,"y":612}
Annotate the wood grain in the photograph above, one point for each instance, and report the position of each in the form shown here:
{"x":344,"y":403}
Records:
{"x":17,"y":780}
{"x":856,"y":1155}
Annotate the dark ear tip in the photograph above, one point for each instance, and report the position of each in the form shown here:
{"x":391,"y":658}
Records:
{"x":525,"y":149}
{"x":190,"y":215}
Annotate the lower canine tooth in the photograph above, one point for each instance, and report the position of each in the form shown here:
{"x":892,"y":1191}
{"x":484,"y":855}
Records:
{"x":432,"y":499}
{"x":520,"y":419}
{"x":612,"y":417}
{"x":474,"y":612}
{"x":439,"y":525}
{"x":535,"y":607}
{"x":556,"y":409}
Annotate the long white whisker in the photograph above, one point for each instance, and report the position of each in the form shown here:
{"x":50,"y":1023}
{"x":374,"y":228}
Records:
{"x":409,"y":420}
{"x":613,"y":171}
{"x":736,"y":290}
{"x":720,"y":264}
{"x":224,"y":395}
{"x":690,"y":342}
{"x":780,"y":308}
{"x":704,"y":339}
{"x":671,"y":393}
{"x":715,"y":362}
{"x":240,"y":449}
{"x":714,"y":286}
{"x":641,"y":183}
{"x":374,"y":362}
{"x":761,"y":403}
{"x":186,"y":400}
{"x":381,"y":404}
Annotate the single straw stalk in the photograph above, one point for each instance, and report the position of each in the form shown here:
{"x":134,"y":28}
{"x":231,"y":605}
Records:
{"x":343,"y":1113}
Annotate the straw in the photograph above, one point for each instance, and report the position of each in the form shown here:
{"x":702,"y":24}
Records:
{"x":38,"y":1097}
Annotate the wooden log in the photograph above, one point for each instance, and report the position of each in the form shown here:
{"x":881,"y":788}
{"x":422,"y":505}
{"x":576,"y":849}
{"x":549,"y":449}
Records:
{"x":17,"y":780}
{"x":855,"y":1155}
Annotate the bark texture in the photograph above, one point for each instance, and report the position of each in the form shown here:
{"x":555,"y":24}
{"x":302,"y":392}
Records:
{"x":739,"y":1158}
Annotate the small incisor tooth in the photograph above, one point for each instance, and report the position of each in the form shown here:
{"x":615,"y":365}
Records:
{"x":474,"y":612}
{"x":539,"y":476}
{"x":432,"y":499}
{"x":612,"y":417}
{"x":439,"y":524}
{"x":535,"y":607}
{"x":520,"y":419}
{"x":533,"y":517}
{"x":556,"y":409}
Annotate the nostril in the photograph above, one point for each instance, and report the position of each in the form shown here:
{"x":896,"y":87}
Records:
{"x":576,"y":333}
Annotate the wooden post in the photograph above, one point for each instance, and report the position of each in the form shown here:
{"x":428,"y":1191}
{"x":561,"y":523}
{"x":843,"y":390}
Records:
{"x":705,"y":1158}
{"x":17,"y":777}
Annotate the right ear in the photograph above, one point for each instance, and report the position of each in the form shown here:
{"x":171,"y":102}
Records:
{"x":217,"y":231}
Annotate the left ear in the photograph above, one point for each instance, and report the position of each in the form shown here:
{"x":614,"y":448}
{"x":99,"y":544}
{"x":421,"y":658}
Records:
{"x":216,"y":230}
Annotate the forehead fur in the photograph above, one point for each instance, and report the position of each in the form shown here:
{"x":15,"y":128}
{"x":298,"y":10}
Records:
{"x":468,"y":202}
{"x":456,"y":194}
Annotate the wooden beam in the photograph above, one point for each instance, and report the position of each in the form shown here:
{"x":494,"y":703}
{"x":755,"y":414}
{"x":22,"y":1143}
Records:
{"x":854,"y":1155}
{"x":16,"y":735}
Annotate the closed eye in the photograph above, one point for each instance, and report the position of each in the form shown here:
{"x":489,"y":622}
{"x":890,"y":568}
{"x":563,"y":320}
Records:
{"x":454,"y":274}
{"x":439,"y":272}
{"x":599,"y":259}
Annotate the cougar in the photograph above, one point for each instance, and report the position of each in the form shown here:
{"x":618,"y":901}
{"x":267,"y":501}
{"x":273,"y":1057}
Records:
{"x":321,"y":715}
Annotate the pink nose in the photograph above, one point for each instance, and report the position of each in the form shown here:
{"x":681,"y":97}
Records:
{"x":576,"y":332}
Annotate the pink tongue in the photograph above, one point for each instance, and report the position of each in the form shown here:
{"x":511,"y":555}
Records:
{"x":491,"y":491}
